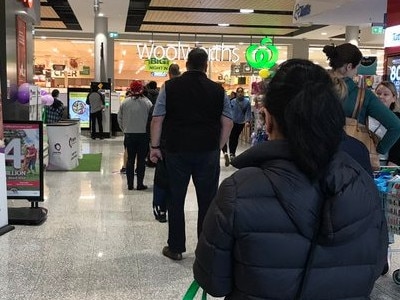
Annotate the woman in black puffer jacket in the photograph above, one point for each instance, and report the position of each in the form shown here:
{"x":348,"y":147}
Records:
{"x":258,"y":232}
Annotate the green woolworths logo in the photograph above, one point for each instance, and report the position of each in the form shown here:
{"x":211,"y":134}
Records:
{"x":263,"y":56}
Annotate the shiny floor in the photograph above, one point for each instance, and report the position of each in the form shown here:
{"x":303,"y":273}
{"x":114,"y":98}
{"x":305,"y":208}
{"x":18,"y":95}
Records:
{"x":101,"y":241}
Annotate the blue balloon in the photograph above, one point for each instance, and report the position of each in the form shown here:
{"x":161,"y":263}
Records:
{"x":23,"y":93}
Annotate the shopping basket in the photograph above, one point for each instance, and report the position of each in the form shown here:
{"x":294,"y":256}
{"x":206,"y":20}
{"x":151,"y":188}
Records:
{"x":390,"y":196}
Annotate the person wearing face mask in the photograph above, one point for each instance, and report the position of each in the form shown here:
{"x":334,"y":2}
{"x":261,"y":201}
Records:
{"x":344,"y":60}
{"x":387,"y":93}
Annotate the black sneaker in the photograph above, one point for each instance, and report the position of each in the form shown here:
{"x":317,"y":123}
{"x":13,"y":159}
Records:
{"x":162,"y":217}
{"x":172,"y":255}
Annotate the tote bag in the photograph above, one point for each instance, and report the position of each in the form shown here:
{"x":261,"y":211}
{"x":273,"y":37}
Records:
{"x":361,"y":132}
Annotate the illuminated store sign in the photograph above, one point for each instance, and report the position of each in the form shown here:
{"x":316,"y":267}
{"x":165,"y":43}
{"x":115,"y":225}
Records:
{"x":180,"y":52}
{"x":262,"y":56}
{"x":157,"y":65}
{"x":392,"y":36}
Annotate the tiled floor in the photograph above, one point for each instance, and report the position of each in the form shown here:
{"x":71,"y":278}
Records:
{"x":101,"y":241}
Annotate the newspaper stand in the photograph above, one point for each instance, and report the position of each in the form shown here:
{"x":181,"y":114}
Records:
{"x":391,"y":205}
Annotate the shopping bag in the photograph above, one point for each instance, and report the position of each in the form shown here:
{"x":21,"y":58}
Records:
{"x":192,"y":292}
{"x":361,"y":132}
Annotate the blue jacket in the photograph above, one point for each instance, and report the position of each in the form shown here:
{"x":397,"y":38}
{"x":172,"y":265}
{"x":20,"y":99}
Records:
{"x":241,"y":110}
{"x":254,"y":245}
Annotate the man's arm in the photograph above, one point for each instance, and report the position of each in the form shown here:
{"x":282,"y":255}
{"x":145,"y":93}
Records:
{"x":155,"y":133}
{"x":226,"y":127}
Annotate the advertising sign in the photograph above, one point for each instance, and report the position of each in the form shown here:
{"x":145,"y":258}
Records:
{"x":77,"y":107}
{"x":392,"y":36}
{"x":21,"y":51}
{"x":63,"y":145}
{"x":368,"y":65}
{"x":24,"y":159}
{"x":262,"y":56}
{"x":393,"y":70}
{"x":3,"y":186}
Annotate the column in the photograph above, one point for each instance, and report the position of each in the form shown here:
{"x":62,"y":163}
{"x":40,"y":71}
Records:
{"x":352,"y":34}
{"x":299,"y":49}
{"x":110,"y":62}
{"x":100,"y":39}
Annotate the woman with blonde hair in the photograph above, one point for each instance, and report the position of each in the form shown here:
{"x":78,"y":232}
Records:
{"x":387,"y":93}
{"x":344,"y":60}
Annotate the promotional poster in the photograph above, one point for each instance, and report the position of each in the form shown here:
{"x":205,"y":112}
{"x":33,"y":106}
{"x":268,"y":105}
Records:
{"x":23,"y":160}
{"x":77,"y":107}
{"x":3,"y":186}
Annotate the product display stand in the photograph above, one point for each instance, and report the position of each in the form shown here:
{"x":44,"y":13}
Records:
{"x":33,"y":215}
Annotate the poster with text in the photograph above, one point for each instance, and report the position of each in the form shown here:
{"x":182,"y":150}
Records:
{"x":78,"y":109}
{"x":24,"y":159}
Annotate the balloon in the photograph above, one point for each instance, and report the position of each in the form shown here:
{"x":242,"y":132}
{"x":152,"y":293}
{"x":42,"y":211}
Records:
{"x":43,"y":92}
{"x":47,"y":99}
{"x":264,"y":73}
{"x":23,"y":93}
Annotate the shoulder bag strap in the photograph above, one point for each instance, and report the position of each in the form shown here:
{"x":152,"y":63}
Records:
{"x":359,"y":103}
{"x":311,"y":251}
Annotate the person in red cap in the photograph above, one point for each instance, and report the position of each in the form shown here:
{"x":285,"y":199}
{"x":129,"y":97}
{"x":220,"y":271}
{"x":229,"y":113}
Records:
{"x":132,"y":119}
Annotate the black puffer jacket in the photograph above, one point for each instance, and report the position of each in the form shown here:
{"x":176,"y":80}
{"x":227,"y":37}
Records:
{"x":254,"y":244}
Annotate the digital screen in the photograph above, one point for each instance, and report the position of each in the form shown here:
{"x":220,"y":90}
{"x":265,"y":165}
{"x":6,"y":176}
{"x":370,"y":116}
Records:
{"x":24,"y":160}
{"x":393,"y":71}
{"x":78,"y":109}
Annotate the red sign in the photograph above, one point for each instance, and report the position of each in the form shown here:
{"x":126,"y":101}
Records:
{"x":21,"y":51}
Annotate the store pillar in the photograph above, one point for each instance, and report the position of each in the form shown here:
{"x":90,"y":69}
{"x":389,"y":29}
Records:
{"x":100,"y":48}
{"x":352,"y":34}
{"x":299,"y":49}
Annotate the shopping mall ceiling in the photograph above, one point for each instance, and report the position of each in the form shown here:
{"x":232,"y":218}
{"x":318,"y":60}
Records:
{"x":201,"y":17}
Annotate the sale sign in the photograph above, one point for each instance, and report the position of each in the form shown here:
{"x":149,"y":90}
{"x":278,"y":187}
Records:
{"x":23,"y":159}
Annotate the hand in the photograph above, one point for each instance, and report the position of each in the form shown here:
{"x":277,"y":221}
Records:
{"x":155,"y":155}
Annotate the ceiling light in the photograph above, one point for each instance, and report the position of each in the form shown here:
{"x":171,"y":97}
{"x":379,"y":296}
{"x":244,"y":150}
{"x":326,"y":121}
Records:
{"x":223,"y":24}
{"x":246,"y":11}
{"x":324,"y":33}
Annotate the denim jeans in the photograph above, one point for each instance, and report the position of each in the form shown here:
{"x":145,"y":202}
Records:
{"x":204,"y":169}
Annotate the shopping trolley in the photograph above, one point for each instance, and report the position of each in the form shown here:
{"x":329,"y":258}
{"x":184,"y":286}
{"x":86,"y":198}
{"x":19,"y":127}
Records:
{"x":390,"y":195}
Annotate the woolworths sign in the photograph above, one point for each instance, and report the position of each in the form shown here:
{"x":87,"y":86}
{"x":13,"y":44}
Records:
{"x":180,"y":52}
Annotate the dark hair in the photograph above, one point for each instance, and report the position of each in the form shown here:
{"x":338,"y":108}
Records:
{"x":302,"y":100}
{"x":197,"y":59}
{"x":343,"y":54}
{"x":55,"y":93}
{"x":239,"y":89}
{"x":152,"y":85}
{"x":173,"y":70}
